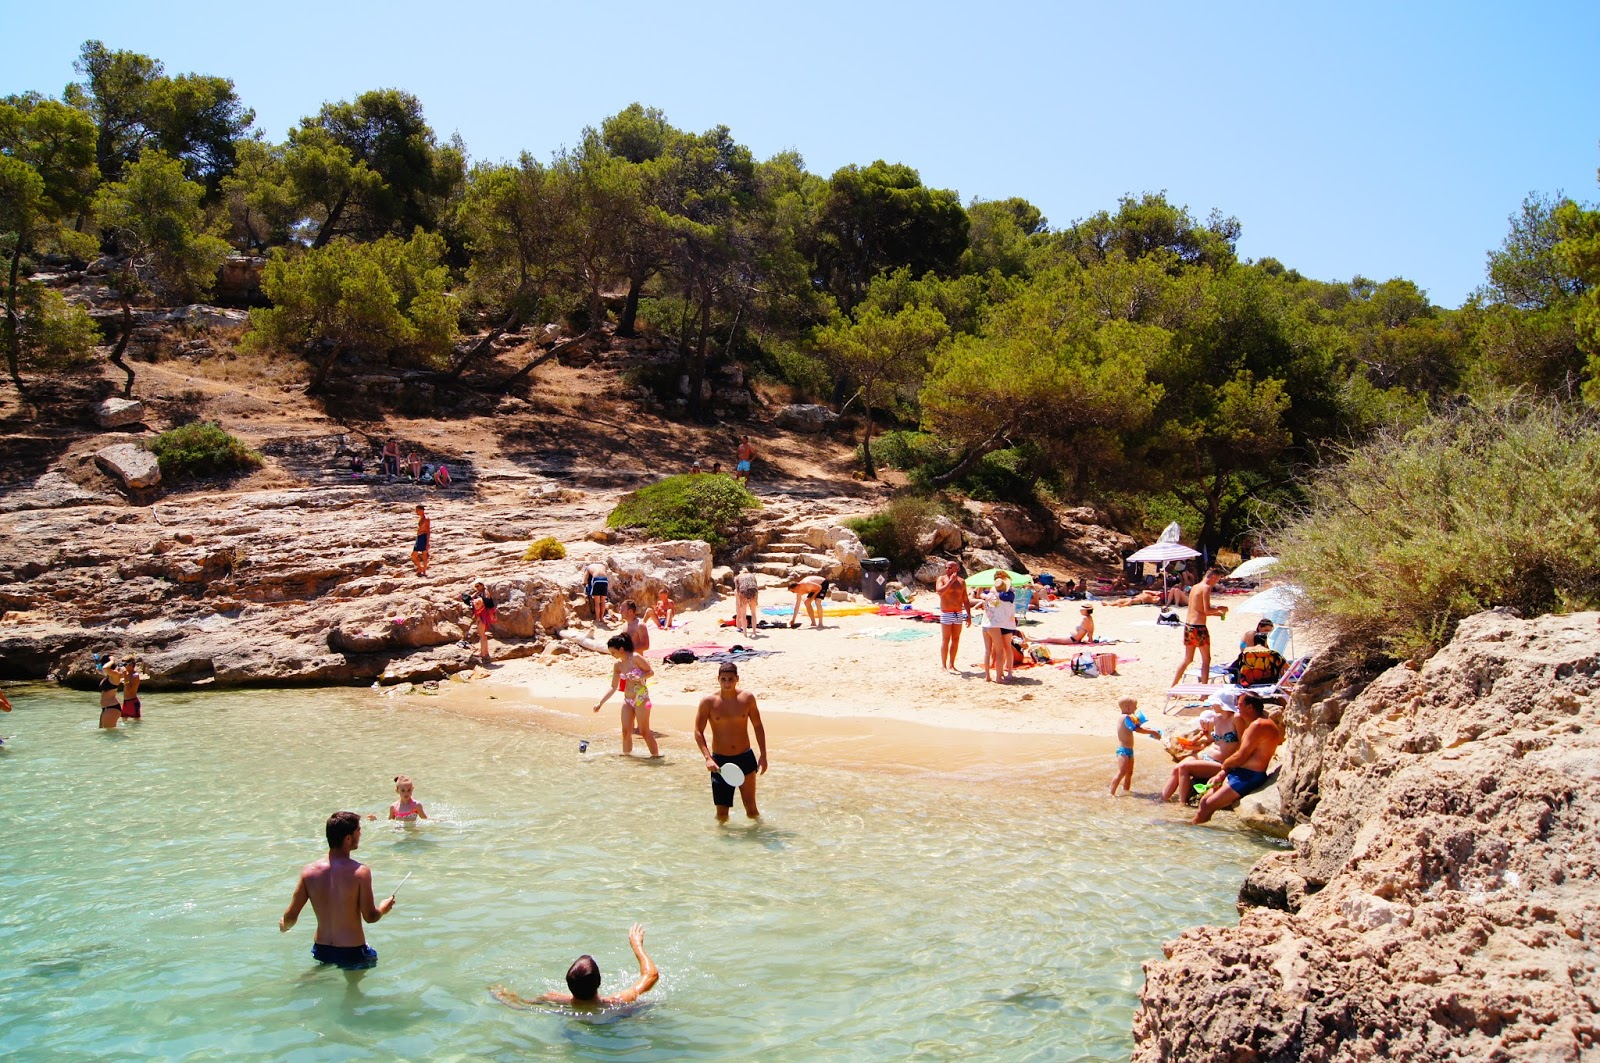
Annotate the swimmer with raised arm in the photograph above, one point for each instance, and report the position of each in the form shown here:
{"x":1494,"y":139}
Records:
{"x":583,"y":981}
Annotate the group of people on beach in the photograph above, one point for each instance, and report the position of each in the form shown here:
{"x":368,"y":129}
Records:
{"x":391,"y":466}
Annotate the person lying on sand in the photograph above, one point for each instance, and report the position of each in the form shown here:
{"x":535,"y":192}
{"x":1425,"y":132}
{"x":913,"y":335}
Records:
{"x":583,"y":981}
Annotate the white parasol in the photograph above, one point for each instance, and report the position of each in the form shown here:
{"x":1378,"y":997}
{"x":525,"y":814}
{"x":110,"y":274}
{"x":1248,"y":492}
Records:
{"x":1253,"y":567}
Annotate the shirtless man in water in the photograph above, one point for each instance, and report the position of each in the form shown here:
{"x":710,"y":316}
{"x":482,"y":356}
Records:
{"x":955,"y":609}
{"x":1196,"y":636}
{"x":340,"y":892}
{"x":731,"y":712}
{"x":1245,"y":770}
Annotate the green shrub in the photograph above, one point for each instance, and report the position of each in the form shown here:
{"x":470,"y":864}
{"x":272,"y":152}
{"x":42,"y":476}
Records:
{"x":690,"y":506}
{"x":1488,"y":506}
{"x":547,"y":549}
{"x":201,"y":449}
{"x":892,"y":532}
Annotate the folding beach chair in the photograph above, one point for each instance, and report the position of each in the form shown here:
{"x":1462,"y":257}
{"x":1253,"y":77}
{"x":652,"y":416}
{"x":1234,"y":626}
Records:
{"x":1283,"y":688}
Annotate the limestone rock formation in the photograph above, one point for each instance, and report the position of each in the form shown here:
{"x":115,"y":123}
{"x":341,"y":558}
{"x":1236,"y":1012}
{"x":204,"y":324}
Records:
{"x":1441,"y":901}
{"x":131,"y":465}
{"x":806,"y":417}
{"x":943,"y":536}
{"x":1017,"y":526}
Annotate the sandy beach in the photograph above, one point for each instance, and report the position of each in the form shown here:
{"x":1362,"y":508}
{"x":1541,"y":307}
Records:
{"x":847,"y":696}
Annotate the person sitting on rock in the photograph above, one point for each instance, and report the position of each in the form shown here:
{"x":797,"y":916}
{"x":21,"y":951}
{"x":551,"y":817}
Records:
{"x":441,"y":475}
{"x":1245,"y":770}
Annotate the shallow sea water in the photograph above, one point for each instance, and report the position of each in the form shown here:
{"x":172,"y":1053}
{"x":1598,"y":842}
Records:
{"x":866,"y":916}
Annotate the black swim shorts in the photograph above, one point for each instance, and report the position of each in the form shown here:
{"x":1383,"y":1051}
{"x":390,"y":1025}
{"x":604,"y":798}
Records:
{"x":721,"y":792}
{"x":348,"y":957}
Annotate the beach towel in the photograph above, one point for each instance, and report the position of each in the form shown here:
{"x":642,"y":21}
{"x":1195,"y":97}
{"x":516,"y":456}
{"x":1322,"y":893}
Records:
{"x":734,"y":656}
{"x":700,"y":649}
{"x":903,"y":634}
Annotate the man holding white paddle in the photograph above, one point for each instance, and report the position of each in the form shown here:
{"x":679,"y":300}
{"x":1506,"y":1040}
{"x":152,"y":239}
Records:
{"x":732,"y":764}
{"x":340,"y":891}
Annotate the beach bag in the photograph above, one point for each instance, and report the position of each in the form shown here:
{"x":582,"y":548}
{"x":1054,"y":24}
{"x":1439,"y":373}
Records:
{"x":683,"y":655}
{"x":1083,"y":664}
{"x":1170,"y":619}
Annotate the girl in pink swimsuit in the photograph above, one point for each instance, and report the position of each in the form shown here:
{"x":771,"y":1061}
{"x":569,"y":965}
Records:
{"x":405,"y":808}
{"x":630,"y":675}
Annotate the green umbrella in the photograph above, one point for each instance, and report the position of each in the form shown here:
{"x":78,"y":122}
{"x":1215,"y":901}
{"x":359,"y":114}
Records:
{"x":986,"y":578}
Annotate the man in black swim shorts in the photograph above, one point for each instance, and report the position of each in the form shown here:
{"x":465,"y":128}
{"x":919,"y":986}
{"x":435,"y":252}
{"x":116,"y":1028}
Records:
{"x":730,"y":713}
{"x":340,"y":891}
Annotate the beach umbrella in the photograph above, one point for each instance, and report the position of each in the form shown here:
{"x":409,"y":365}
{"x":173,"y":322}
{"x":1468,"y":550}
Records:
{"x":1158,"y":552}
{"x":985,"y":578}
{"x":1170,"y":534}
{"x":1274,"y":603}
{"x":1253,"y":567}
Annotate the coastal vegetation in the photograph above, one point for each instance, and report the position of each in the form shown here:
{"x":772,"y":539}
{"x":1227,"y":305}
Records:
{"x":1492,"y":505}
{"x":1130,"y":357}
{"x":200,"y":449}
{"x":548,"y":548}
{"x":689,"y":506}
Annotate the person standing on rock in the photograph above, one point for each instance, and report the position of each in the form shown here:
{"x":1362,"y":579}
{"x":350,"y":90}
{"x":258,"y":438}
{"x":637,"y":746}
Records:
{"x":340,"y":892}
{"x":955,"y":612}
{"x":746,"y":594}
{"x":730,"y":713}
{"x":746,"y":454}
{"x":419,"y":550}
{"x":1245,"y":770}
{"x":636,"y":629}
{"x":483,"y":617}
{"x":391,"y":459}
{"x":596,"y":585}
{"x":1196,"y":636}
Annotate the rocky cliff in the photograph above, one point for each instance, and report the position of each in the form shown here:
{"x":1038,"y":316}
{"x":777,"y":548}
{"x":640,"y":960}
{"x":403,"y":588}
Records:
{"x":1440,"y":902}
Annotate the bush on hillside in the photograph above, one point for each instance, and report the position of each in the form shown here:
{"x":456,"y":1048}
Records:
{"x":1488,"y":506}
{"x":201,"y":449}
{"x":547,"y":549}
{"x":892,"y":532}
{"x":690,"y":506}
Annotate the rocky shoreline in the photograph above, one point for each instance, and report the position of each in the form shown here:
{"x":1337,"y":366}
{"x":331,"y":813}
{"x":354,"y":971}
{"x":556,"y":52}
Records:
{"x":1439,"y":903}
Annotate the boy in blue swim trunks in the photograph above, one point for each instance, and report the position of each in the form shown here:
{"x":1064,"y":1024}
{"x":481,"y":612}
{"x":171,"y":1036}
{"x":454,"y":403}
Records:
{"x":340,"y":891}
{"x":1130,"y":721}
{"x":745,"y":455}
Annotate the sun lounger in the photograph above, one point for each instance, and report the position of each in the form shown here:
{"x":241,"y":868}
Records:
{"x":1281,"y":689}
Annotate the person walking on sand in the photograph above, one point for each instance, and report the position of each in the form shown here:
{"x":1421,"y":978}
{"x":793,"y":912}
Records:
{"x":745,"y":455}
{"x":746,"y":592}
{"x":631,"y":674}
{"x":1245,"y":770}
{"x":596,"y":585}
{"x":634,"y":628}
{"x":340,"y":892}
{"x":483,"y":618}
{"x":1129,"y":722}
{"x":730,"y":713}
{"x":1196,"y":636}
{"x":583,"y":981}
{"x":809,"y":591}
{"x":955,"y":612}
{"x":419,"y":549}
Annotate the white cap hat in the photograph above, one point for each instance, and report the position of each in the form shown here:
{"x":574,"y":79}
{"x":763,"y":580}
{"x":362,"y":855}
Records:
{"x":1209,"y":716}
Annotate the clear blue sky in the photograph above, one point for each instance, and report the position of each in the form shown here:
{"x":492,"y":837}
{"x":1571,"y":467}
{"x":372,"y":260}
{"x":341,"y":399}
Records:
{"x":1386,"y":139}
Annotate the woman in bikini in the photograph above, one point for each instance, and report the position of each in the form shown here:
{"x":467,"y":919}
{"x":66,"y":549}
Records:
{"x":483,"y":616}
{"x":110,"y":708}
{"x":1219,"y":731}
{"x":631,"y":674}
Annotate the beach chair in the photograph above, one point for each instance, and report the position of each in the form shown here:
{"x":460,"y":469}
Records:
{"x":1283,"y":688}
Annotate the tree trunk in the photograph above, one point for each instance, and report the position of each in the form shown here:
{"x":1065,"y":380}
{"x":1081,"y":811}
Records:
{"x":630,"y":305}
{"x":513,"y":320}
{"x":122,"y":345}
{"x":520,"y":374}
{"x":866,"y":443}
{"x":13,"y":323}
{"x":972,"y":457}
{"x":697,"y":372}
{"x":320,"y":377}
{"x":325,"y":230}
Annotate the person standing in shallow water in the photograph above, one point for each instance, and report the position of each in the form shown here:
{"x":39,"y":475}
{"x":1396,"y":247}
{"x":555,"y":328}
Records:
{"x":110,"y":707}
{"x":339,"y":890}
{"x":730,"y":713}
{"x":132,"y":708}
{"x":419,"y":549}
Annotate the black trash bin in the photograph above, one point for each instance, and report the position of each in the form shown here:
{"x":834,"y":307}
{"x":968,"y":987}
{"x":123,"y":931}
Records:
{"x":874,"y":577}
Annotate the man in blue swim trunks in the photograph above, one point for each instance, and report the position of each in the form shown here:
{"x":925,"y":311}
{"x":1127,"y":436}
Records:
{"x":746,"y":455}
{"x":340,"y":892}
{"x":1245,"y":771}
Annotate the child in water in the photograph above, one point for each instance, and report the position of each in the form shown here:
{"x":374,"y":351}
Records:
{"x":1130,"y":721}
{"x":630,"y":674}
{"x":405,"y":808}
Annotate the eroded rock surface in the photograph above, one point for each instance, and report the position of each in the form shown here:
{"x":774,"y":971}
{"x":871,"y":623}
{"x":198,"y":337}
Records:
{"x":1440,"y":904}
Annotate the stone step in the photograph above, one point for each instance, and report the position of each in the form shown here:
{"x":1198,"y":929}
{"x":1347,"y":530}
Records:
{"x":776,"y":570}
{"x":791,"y":547}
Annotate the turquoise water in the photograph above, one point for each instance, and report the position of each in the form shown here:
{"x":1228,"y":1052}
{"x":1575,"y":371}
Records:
{"x":868,"y":917}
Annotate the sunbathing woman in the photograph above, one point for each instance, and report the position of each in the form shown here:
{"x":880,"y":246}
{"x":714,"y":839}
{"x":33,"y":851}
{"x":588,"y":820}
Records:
{"x":1149,"y":597}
